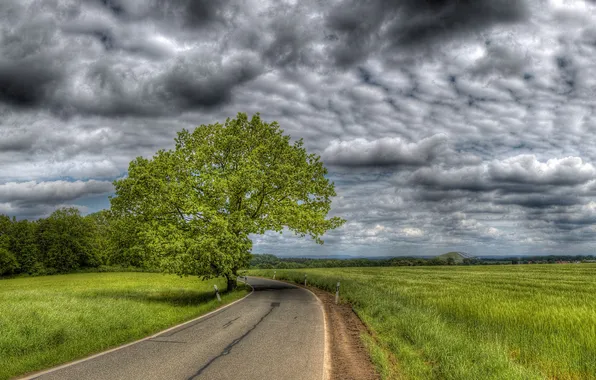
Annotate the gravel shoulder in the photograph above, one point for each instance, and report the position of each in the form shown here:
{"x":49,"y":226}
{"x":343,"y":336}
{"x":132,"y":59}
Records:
{"x":349,"y":358}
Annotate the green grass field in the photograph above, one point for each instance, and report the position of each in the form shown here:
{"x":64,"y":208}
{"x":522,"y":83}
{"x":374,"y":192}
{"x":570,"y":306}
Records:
{"x":45,"y":321}
{"x":472,"y":322}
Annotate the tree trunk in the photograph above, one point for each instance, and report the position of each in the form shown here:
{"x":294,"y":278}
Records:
{"x":231,"y":283}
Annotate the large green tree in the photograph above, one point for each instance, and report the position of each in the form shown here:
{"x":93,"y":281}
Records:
{"x":199,"y":202}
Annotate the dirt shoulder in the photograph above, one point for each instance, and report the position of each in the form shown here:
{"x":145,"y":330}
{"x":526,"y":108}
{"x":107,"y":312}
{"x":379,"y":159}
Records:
{"x":349,"y":357}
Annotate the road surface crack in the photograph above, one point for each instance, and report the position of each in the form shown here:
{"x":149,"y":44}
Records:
{"x":229,"y":323}
{"x":229,"y":347}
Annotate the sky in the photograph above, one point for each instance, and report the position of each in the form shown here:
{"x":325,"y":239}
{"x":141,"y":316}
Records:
{"x":445,"y":125}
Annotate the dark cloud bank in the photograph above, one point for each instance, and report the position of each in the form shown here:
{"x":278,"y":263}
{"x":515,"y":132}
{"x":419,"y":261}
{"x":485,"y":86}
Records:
{"x":445,"y":124}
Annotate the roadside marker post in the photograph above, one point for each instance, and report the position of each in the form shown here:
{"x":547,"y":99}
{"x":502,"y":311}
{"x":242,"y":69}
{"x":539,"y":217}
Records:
{"x":274,"y":272}
{"x":217,"y":293}
{"x":337,"y":293}
{"x":305,"y":279}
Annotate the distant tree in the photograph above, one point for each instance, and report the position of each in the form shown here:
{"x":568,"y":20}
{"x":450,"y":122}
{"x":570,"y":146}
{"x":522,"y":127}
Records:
{"x":128,"y":248}
{"x":435,"y":261}
{"x":101,"y":243}
{"x":264,"y":261}
{"x":198,"y":203}
{"x":8,"y":262}
{"x":65,"y":241}
{"x":5,"y":231}
{"x":25,"y":246}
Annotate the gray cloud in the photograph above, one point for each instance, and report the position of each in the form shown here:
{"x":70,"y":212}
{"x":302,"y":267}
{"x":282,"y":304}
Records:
{"x":527,"y":169}
{"x":446,"y":125}
{"x":384,"y":152}
{"x":361,"y":28}
{"x":501,"y":60}
{"x":192,"y":13}
{"x":27,"y":82}
{"x":35,"y":199}
{"x":190,"y":86}
{"x":54,"y":192}
{"x":29,"y":72}
{"x":423,"y":21}
{"x":108,"y":60}
{"x":517,"y":174}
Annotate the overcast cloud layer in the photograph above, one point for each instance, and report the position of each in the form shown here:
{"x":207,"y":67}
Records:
{"x":446,"y":125}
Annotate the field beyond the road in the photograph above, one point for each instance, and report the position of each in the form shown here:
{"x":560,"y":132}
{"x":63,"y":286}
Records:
{"x":471,"y":322}
{"x":45,"y":321}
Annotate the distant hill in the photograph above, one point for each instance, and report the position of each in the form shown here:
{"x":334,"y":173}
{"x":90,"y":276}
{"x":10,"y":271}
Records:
{"x":457,"y":256}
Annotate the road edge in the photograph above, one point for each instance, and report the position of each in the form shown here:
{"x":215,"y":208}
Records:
{"x":61,"y":366}
{"x":327,"y":352}
{"x":327,"y":349}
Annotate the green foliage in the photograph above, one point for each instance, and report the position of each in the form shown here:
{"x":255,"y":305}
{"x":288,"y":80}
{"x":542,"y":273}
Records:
{"x":8,"y":263}
{"x":65,"y":241}
{"x":127,"y":248}
{"x":5,"y":231}
{"x":264,"y":261}
{"x":196,"y":205}
{"x":99,"y":236}
{"x":25,"y":247}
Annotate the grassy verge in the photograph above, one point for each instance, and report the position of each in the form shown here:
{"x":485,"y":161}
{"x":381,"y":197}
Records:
{"x":498,"y":322}
{"x":45,"y":321}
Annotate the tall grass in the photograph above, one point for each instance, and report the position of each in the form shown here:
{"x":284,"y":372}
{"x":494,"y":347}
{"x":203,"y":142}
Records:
{"x":45,"y":321}
{"x":480,"y":322}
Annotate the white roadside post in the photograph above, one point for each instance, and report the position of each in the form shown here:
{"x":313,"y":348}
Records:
{"x":274,"y":272}
{"x":305,"y":279}
{"x":337,"y":293}
{"x":217,"y":293}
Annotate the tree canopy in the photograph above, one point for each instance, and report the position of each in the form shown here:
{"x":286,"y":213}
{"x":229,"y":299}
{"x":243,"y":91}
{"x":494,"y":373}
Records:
{"x":199,"y":202}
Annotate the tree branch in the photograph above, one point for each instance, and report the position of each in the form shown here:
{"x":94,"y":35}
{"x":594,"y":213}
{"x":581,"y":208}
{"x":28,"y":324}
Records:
{"x":180,"y":213}
{"x":260,"y":202}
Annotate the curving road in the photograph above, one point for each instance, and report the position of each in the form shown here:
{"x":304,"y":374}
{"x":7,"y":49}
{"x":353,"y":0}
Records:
{"x":277,"y":332}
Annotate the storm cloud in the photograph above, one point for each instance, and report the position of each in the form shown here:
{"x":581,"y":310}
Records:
{"x":445,"y":125}
{"x":360,"y":28}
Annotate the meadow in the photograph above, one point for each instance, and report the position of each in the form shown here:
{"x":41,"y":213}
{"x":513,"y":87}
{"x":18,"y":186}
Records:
{"x":471,"y":322}
{"x":45,"y":321}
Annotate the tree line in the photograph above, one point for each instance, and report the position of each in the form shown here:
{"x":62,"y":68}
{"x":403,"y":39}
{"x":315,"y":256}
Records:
{"x":66,"y":241}
{"x":269,"y":261}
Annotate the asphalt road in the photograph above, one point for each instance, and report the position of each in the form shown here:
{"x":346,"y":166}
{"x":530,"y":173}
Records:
{"x":277,"y":332}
